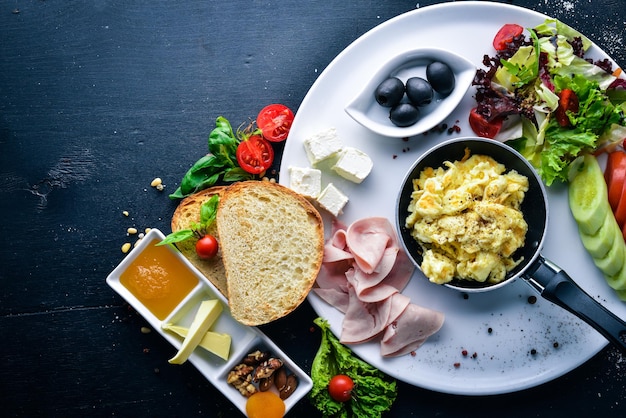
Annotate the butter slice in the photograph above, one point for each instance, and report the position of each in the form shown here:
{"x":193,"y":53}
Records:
{"x":207,"y":314}
{"x":322,"y":145}
{"x":353,"y":164}
{"x":214,"y":342}
{"x":305,"y":181}
{"x":332,"y":199}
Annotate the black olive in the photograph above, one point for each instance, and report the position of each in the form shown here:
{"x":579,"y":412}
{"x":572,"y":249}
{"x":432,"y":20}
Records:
{"x":440,"y":77}
{"x":404,"y":114}
{"x":419,"y":91}
{"x":389,"y":92}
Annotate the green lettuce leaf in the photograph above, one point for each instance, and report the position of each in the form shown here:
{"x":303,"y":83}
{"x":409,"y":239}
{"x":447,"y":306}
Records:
{"x":551,"y":27}
{"x":554,"y":147}
{"x":373,"y":393}
{"x":562,"y":146}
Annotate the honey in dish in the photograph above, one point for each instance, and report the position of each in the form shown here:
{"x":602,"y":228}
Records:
{"x":159,"y":280}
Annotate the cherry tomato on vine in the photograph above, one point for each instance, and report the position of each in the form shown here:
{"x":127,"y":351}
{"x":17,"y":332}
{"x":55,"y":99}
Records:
{"x":506,"y":35}
{"x":255,"y":154}
{"x":340,"y":388}
{"x":206,"y":247}
{"x":275,"y":122}
{"x":482,"y":127}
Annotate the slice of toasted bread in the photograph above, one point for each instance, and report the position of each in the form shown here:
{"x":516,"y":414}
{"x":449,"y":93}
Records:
{"x":187,"y":214}
{"x":272,"y":242}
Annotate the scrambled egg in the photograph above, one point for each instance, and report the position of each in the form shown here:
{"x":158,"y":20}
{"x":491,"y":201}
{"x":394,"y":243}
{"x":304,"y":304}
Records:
{"x":467,"y":219}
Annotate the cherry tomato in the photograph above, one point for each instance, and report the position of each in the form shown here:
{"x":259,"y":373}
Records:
{"x":615,"y":175}
{"x":340,"y":388}
{"x":567,"y":101}
{"x":206,"y":247}
{"x":275,"y":122}
{"x":482,"y":127}
{"x":255,"y":155}
{"x":265,"y":405}
{"x":505,"y":35}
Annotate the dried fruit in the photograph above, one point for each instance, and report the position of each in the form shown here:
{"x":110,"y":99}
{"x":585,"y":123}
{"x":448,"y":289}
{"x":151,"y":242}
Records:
{"x":266,"y":383}
{"x":290,"y":387}
{"x":280,"y":378}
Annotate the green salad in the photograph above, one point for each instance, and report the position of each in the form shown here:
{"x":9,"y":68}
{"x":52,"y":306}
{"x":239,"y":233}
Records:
{"x":547,"y":99}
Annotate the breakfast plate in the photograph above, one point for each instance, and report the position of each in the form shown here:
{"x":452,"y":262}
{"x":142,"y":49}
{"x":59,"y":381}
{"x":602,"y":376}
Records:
{"x":498,"y":342}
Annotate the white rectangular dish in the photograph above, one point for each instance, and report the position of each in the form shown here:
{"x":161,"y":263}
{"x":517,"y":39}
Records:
{"x":245,"y":339}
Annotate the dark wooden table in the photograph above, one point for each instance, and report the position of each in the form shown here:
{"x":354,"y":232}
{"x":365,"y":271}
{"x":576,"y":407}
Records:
{"x":97,"y":99}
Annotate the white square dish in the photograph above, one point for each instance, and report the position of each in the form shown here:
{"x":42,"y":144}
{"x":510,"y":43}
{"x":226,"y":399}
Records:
{"x":245,"y":339}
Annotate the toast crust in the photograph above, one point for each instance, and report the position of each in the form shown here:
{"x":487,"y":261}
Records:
{"x":188,"y":213}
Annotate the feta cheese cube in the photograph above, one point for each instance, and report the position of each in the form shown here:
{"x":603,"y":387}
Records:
{"x":322,"y":145}
{"x":332,"y":199}
{"x":353,"y":164}
{"x":305,"y":181}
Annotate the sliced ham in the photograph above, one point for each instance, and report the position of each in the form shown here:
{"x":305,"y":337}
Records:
{"x":367,"y":239}
{"x":364,"y":321}
{"x":410,"y":330}
{"x":363,"y":273}
{"x":340,"y":300}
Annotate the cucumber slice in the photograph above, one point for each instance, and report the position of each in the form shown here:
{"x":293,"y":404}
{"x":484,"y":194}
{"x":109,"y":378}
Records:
{"x":588,"y":198}
{"x":613,"y":262}
{"x":618,"y":281}
{"x":599,"y":244}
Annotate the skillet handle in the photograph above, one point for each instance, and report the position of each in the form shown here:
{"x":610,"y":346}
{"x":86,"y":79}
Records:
{"x":561,"y":290}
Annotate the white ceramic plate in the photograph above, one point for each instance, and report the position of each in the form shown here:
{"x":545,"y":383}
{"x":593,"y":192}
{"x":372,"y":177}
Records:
{"x":517,"y":344}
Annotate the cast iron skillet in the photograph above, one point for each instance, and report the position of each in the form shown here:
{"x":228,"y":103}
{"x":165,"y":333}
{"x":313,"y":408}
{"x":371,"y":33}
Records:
{"x":548,"y":279}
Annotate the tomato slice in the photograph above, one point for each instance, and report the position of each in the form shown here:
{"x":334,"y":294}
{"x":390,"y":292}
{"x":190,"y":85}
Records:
{"x":568,"y":101}
{"x":275,"y":122}
{"x":505,"y":35}
{"x":615,"y":176}
{"x":620,"y":210}
{"x":483,"y":127}
{"x":255,"y":155}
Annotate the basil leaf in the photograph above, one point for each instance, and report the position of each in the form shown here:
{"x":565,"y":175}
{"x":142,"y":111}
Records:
{"x":208,"y":211}
{"x":220,"y":162}
{"x":196,"y":174}
{"x":237,"y":174}
{"x":204,"y":173}
{"x":178,"y":194}
{"x":177,"y":236}
{"x":222,"y":140}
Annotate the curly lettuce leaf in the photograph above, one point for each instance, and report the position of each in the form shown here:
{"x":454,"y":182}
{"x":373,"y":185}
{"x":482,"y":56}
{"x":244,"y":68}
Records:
{"x":559,"y":146}
{"x":373,"y":393}
{"x":562,"y":146}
